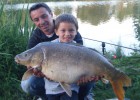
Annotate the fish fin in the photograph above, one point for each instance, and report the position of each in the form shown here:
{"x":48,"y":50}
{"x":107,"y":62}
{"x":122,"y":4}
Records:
{"x":125,"y":80}
{"x":66,"y":88}
{"x":118,"y":85}
{"x":118,"y":89}
{"x":27,"y":74}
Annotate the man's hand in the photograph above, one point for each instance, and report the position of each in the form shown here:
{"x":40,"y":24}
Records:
{"x":36,"y":71}
{"x":89,"y":79}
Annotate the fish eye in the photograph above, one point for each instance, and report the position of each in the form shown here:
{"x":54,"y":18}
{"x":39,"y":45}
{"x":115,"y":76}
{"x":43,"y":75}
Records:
{"x":26,"y":54}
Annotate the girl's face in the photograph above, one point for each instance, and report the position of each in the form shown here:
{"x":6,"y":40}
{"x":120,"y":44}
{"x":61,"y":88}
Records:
{"x":66,"y":32}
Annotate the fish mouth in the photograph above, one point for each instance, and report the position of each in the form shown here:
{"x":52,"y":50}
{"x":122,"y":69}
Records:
{"x":17,"y":60}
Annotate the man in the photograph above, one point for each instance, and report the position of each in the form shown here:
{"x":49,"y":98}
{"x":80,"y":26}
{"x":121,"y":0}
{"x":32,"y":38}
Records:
{"x":42,"y":17}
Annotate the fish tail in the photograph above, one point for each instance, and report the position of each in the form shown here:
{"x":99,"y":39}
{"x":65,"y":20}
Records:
{"x":118,"y":84}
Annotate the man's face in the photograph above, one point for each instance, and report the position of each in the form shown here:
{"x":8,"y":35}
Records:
{"x":43,"y":20}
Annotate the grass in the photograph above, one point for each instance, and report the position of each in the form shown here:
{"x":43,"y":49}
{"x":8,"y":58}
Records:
{"x":15,"y":29}
{"x":12,"y":41}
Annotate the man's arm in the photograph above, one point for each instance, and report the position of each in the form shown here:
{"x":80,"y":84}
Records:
{"x":78,"y":38}
{"x":33,"y":41}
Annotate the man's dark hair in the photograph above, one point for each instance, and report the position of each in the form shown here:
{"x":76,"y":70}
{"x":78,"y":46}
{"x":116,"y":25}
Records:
{"x":39,"y":5}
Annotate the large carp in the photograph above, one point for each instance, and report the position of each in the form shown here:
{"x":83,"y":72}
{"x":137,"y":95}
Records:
{"x":66,"y":64}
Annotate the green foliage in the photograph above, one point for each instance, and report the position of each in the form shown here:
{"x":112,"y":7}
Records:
{"x":118,"y":52}
{"x":13,"y":40}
